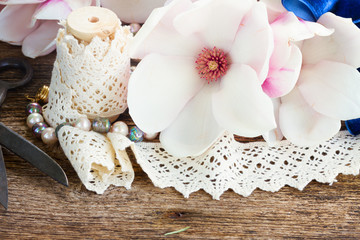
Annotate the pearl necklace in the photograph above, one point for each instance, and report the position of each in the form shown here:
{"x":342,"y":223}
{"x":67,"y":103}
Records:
{"x":49,"y":135}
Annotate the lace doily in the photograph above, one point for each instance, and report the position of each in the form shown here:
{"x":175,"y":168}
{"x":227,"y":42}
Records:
{"x":241,"y":167}
{"x":99,"y":160}
{"x":89,"y":79}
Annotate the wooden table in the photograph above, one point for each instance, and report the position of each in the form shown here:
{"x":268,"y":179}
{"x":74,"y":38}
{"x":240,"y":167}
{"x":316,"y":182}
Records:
{"x":41,"y":208}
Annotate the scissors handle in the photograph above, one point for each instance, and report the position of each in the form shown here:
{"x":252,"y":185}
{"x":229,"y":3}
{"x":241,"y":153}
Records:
{"x":18,"y":63}
{"x":2,"y":95}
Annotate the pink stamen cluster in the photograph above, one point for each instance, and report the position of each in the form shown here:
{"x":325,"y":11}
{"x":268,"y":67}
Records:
{"x":212,"y":64}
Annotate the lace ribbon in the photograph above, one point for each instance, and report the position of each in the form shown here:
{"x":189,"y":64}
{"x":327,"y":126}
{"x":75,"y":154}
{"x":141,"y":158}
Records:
{"x":241,"y":167}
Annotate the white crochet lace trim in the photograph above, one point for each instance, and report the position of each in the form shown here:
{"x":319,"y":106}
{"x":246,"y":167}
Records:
{"x":89,"y":79}
{"x":241,"y":167}
{"x":99,"y":160}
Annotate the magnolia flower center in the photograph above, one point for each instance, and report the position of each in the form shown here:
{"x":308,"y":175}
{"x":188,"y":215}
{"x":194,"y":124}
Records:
{"x":212,"y":64}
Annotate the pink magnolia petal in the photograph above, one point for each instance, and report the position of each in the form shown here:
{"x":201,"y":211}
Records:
{"x":254,"y":41}
{"x":303,"y":126}
{"x":332,"y":89}
{"x":274,"y":136}
{"x":288,"y":26}
{"x":195,"y":129}
{"x":240,"y":106}
{"x":16,"y":2}
{"x":15,"y":23}
{"x":52,"y":10}
{"x":159,"y":89}
{"x":215,"y":21}
{"x":41,"y":41}
{"x":281,"y":81}
{"x":158,"y":34}
{"x":342,"y":46}
{"x":287,"y":29}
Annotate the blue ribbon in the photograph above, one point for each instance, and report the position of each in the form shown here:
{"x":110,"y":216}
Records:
{"x":311,"y":10}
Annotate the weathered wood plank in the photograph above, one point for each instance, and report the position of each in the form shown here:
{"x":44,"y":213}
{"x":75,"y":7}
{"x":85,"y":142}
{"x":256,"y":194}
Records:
{"x":40,"y":208}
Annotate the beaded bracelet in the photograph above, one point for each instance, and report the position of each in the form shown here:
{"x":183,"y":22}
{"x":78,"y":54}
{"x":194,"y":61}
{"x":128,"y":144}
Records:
{"x":49,"y":135}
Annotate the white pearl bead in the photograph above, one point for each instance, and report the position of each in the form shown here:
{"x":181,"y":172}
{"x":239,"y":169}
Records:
{"x":83,"y":123}
{"x":120,"y":127}
{"x":48,"y":136}
{"x":150,"y":136}
{"x":34,"y":118}
{"x":134,"y":27}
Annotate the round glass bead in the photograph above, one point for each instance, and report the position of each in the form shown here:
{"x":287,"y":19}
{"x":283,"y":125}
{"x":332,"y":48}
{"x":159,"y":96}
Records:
{"x":136,"y":135}
{"x":33,"y":108}
{"x":60,"y":126}
{"x":101,"y":125}
{"x":38,"y":128}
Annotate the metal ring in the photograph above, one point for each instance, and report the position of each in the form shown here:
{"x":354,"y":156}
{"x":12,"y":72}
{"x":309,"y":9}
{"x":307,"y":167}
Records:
{"x":18,"y":63}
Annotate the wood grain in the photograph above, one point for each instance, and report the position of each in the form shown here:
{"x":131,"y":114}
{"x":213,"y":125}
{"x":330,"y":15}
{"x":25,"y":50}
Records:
{"x":42,"y":209}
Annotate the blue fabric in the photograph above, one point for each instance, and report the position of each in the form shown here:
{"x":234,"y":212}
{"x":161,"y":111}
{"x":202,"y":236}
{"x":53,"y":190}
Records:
{"x":311,"y":10}
{"x":353,"y":126}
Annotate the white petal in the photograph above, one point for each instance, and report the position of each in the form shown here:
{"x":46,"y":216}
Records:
{"x":215,"y":21}
{"x":15,"y":22}
{"x":52,"y":10}
{"x":78,"y":3}
{"x":41,"y":41}
{"x":254,"y":41}
{"x":158,"y":34}
{"x":159,"y":88}
{"x":132,"y":11}
{"x":332,"y":89}
{"x":274,"y":136}
{"x":281,"y":81}
{"x":274,"y":5}
{"x":240,"y":105}
{"x":342,"y":46}
{"x":195,"y":129}
{"x":291,"y":28}
{"x":303,"y":126}
{"x":318,"y":29}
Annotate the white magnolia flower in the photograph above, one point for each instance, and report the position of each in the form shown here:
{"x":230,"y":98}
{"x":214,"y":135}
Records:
{"x":203,"y":66}
{"x":34,"y":23}
{"x":328,"y":87}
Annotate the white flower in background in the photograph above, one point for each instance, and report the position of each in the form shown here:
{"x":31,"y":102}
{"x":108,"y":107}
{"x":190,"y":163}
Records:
{"x":286,"y":59}
{"x":201,"y":73}
{"x":131,"y":11}
{"x":328,"y":87}
{"x":34,"y":23}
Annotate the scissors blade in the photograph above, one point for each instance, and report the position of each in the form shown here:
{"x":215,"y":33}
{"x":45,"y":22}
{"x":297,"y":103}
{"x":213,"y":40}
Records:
{"x":3,"y":182}
{"x":34,"y":155}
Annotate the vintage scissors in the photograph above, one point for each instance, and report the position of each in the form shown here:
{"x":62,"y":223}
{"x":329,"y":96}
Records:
{"x":16,"y":143}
